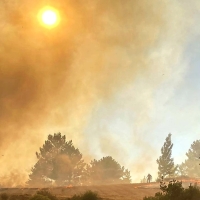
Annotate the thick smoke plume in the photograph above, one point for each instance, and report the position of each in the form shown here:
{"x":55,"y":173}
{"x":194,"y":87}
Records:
{"x":52,"y":79}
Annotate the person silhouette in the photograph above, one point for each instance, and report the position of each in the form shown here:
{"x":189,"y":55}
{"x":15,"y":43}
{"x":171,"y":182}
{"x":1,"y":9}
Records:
{"x":149,"y":177}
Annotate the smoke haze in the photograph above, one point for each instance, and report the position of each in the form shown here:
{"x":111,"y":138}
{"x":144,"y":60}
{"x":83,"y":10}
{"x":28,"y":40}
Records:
{"x":70,"y":78}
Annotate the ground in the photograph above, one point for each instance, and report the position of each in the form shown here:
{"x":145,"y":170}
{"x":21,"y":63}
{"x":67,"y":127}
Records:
{"x":108,"y":192}
{"x":135,"y":191}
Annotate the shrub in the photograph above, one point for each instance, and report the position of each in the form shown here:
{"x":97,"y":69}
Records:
{"x":89,"y":195}
{"x":19,"y":197}
{"x":39,"y":197}
{"x":75,"y":197}
{"x":175,"y":191}
{"x":47,"y":194}
{"x":192,"y":193}
{"x":4,"y":196}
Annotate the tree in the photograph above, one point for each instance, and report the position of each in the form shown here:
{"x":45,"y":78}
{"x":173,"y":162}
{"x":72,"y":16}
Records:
{"x":191,"y":164}
{"x":107,"y":171}
{"x":58,"y":161}
{"x":182,"y":170}
{"x":127,"y":176}
{"x":165,"y":162}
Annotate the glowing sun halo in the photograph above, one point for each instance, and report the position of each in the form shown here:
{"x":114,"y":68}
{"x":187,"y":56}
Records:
{"x":49,"y":17}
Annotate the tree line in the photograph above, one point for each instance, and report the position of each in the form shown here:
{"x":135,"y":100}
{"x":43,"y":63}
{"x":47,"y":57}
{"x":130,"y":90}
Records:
{"x":60,"y":163}
{"x":189,"y":168}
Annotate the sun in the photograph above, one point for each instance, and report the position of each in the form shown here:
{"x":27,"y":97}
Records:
{"x":49,"y":17}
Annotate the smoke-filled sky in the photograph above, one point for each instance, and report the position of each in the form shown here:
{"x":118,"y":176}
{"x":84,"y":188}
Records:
{"x":114,"y":76}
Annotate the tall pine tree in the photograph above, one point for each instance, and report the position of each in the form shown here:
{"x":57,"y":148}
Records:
{"x":166,"y":166}
{"x":192,"y":162}
{"x":59,"y":161}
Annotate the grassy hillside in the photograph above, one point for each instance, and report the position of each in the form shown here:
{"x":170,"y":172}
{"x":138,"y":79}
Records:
{"x":107,"y":192}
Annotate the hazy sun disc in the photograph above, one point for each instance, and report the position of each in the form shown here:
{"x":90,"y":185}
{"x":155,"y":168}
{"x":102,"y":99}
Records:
{"x":49,"y":17}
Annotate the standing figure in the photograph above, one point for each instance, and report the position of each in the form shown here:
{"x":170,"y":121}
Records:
{"x":149,"y":177}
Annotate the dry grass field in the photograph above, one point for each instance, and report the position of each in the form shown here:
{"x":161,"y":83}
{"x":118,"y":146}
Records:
{"x":134,"y":191}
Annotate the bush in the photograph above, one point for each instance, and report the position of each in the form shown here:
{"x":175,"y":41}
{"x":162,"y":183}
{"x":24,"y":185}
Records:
{"x":19,"y":197}
{"x":43,"y":195}
{"x":192,"y":193}
{"x":47,"y":194}
{"x":89,"y":195}
{"x":4,"y":196}
{"x":75,"y":197}
{"x":175,"y":191}
{"x":39,"y":197}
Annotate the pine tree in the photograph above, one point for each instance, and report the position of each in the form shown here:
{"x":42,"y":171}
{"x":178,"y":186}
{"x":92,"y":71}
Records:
{"x":127,"y":176}
{"x":58,"y":161}
{"x":192,"y":162}
{"x":166,"y":166}
{"x":182,"y":170}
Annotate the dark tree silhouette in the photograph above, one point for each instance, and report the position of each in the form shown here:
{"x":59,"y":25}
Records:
{"x":107,"y":171}
{"x":165,"y":162}
{"x":58,"y":161}
{"x":191,"y":164}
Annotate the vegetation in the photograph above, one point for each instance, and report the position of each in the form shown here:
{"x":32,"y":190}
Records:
{"x":47,"y":194}
{"x":175,"y":191}
{"x":39,"y":197}
{"x":89,"y":195}
{"x":20,"y":197}
{"x":4,"y":196}
{"x":43,"y":195}
{"x":191,"y":165}
{"x":182,"y":170}
{"x":61,"y":162}
{"x":166,"y":166}
{"x":58,"y":161}
{"x":107,"y":171}
{"x":126,"y":176}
